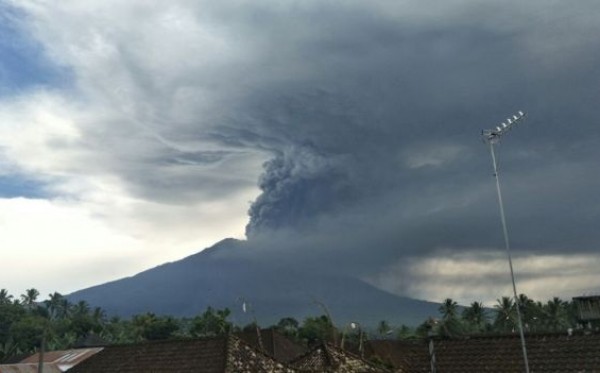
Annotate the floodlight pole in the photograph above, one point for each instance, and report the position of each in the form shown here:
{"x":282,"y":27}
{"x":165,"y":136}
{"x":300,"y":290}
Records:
{"x":492,"y":137}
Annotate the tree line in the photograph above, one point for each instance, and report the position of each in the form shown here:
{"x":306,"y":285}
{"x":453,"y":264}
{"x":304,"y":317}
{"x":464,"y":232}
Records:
{"x":24,"y":322}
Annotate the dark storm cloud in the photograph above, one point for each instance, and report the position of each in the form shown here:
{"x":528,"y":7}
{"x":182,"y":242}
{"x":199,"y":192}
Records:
{"x":368,"y":115}
{"x":382,"y":128}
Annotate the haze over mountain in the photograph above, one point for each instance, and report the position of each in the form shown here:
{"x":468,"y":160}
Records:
{"x":219,"y":277}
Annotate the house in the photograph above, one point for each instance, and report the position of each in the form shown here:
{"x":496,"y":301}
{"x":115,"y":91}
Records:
{"x":588,"y":308}
{"x":54,"y":361}
{"x":578,"y":352}
{"x":274,"y":344}
{"x":328,"y":358}
{"x":227,"y":354}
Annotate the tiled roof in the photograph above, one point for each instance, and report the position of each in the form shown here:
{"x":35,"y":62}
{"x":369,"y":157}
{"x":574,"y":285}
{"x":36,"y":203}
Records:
{"x":274,"y":343}
{"x":546,"y":353}
{"x":327,"y":358}
{"x":208,"y":355}
{"x":403,"y":355}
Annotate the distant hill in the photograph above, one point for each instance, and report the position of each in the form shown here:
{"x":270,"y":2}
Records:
{"x":209,"y":278}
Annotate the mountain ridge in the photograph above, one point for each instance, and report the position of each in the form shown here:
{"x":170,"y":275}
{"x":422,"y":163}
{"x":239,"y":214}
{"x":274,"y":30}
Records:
{"x":186,"y":287}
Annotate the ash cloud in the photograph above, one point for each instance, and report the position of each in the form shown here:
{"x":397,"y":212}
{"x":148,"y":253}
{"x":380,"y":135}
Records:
{"x":392,"y":111}
{"x":365,"y":115}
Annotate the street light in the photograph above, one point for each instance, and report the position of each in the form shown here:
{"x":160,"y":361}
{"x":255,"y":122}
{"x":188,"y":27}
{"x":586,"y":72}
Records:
{"x":492,"y":137}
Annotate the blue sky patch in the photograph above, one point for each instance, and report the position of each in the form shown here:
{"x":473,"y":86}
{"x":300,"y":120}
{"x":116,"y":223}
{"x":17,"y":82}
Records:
{"x":23,"y":63}
{"x":17,"y":186}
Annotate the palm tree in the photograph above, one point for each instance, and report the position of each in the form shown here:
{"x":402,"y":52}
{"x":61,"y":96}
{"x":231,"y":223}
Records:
{"x":81,"y":309}
{"x":531,"y":312}
{"x":555,"y":312}
{"x":54,"y":305}
{"x":5,"y":298}
{"x":475,"y":316}
{"x":505,"y":314}
{"x":450,"y":324}
{"x":449,"y":309}
{"x":28,"y":299}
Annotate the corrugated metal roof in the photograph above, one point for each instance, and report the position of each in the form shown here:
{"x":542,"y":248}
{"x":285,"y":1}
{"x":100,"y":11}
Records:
{"x":56,"y":361}
{"x":28,"y":368}
{"x":64,"y":358}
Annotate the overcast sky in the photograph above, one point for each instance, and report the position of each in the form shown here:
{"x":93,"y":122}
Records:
{"x":138,"y":132}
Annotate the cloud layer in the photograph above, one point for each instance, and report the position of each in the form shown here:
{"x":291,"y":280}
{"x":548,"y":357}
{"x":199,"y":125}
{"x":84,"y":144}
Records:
{"x":358,"y":122}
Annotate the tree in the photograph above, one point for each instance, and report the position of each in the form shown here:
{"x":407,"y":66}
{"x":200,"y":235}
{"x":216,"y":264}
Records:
{"x":505,"y":315}
{"x":28,"y":299}
{"x":531,"y":312}
{"x":449,"y":309}
{"x":5,"y":298}
{"x":152,"y":327}
{"x":56,"y":305}
{"x":555,"y":312}
{"x":316,"y":329}
{"x":27,"y":332}
{"x":405,"y":332}
{"x":475,"y":317}
{"x":288,"y":326}
{"x":450,"y":325}
{"x":211,"y":323}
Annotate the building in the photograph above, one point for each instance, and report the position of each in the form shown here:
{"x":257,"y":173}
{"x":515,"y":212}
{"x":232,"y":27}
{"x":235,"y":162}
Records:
{"x":548,"y":353}
{"x":330,"y":359}
{"x":54,"y":361}
{"x":588,"y":308}
{"x":227,"y":354}
{"x":273,"y":344}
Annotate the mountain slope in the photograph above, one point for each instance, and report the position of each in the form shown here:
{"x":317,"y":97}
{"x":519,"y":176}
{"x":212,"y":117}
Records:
{"x":209,"y":278}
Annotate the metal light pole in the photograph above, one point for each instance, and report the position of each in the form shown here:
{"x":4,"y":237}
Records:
{"x":492,"y":137}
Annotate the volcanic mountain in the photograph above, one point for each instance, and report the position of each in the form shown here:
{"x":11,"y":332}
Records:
{"x":219,"y":278}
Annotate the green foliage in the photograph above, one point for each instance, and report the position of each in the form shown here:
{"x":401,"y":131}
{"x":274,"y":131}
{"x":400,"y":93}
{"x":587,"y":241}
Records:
{"x":506,"y":315}
{"x":211,"y":323}
{"x":27,"y":332}
{"x":288,"y":326}
{"x":450,"y":325}
{"x":150,"y":327}
{"x":316,"y":329}
{"x":475,"y":318}
{"x":24,"y":320}
{"x":405,"y":332}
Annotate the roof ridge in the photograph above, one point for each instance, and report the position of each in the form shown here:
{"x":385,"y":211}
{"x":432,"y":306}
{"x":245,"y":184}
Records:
{"x":228,"y":363}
